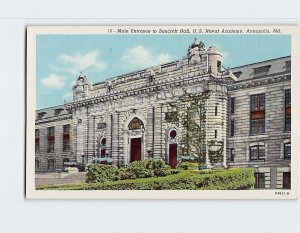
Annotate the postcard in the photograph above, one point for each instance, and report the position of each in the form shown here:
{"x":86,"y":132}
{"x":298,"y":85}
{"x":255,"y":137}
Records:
{"x":162,"y":112}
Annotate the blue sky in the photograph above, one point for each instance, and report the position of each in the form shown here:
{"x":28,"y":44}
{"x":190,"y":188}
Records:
{"x":61,"y":58}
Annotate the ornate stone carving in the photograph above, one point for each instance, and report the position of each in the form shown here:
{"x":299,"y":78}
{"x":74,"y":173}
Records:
{"x":195,"y":52}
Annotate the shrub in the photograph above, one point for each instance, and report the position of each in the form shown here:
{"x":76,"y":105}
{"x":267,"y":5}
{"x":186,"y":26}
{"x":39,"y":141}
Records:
{"x":101,"y":173}
{"x":188,"y":166}
{"x":135,"y":170}
{"x":232,"y":179}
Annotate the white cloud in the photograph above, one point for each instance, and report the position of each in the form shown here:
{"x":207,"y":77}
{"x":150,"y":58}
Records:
{"x":53,"y":81}
{"x":81,"y":61}
{"x":140,"y":57}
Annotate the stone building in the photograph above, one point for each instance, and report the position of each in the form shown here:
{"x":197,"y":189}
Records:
{"x":137,"y":116}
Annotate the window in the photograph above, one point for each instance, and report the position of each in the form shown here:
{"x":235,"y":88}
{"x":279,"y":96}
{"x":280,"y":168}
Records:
{"x":257,"y":152}
{"x":232,"y":128}
{"x":216,"y":110}
{"x":66,"y":137}
{"x":237,"y":74}
{"x":257,"y":114}
{"x":101,"y":125}
{"x":219,"y":66}
{"x":287,"y":150}
{"x":65,"y":162}
{"x":259,"y":180}
{"x":173,"y":133}
{"x":37,"y":141}
{"x":51,"y":139}
{"x":232,"y":154}
{"x":50,"y":166}
{"x":287,"y":121}
{"x":288,"y":65}
{"x":37,"y":165}
{"x":232,"y":105}
{"x":136,"y":123}
{"x":261,"y":71}
{"x":216,"y":133}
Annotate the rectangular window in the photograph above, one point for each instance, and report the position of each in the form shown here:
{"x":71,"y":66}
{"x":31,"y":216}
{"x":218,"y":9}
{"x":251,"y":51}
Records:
{"x":51,"y":139}
{"x":259,"y":180}
{"x":257,"y":152}
{"x":287,"y":121}
{"x":232,"y":105}
{"x":232,"y":154}
{"x":66,"y":137}
{"x":216,"y":133}
{"x":37,"y":141}
{"x":232,"y":128}
{"x":219,"y":65}
{"x":216,"y":110}
{"x":101,"y":125}
{"x":287,"y":150}
{"x":257,"y":114}
{"x":261,"y":71}
{"x":288,"y":65}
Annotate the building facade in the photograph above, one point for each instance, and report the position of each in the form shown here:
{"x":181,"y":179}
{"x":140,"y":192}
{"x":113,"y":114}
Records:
{"x":245,"y":118}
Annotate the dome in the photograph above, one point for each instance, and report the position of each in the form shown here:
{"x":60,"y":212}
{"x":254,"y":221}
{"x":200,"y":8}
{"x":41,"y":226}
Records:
{"x":213,"y":50}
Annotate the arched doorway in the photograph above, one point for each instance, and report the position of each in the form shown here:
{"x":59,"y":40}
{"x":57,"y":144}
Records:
{"x":136,"y":129}
{"x":173,"y":158}
{"x":102,"y":148}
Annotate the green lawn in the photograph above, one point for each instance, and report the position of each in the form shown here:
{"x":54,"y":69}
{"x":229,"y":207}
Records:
{"x":227,"y":179}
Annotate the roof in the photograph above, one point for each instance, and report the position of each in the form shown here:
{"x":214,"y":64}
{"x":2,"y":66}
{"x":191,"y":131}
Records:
{"x":261,"y":69}
{"x":55,"y":111}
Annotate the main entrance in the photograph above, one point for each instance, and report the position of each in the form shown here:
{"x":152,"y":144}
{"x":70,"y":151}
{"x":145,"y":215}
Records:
{"x":173,"y":155}
{"x":136,"y":149}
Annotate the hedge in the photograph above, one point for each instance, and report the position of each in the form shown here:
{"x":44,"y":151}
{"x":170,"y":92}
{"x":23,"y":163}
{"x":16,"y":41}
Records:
{"x":231,"y":179}
{"x":137,"y":169}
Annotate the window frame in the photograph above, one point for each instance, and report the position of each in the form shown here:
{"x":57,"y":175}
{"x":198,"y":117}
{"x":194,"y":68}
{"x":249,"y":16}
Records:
{"x":51,"y":139}
{"x":232,"y":105}
{"x":257,"y":114}
{"x":287,"y":110}
{"x":258,"y":182}
{"x":258,"y":151}
{"x":66,"y":137}
{"x":284,"y":150}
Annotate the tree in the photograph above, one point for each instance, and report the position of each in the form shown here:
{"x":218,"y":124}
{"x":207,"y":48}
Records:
{"x":190,"y":110}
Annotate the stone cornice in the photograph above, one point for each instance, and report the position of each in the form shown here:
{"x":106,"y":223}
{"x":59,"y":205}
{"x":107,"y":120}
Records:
{"x":49,"y":120}
{"x":184,"y":80}
{"x":259,"y":82}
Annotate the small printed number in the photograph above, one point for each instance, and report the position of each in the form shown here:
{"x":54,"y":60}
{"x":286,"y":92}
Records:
{"x":282,"y":193}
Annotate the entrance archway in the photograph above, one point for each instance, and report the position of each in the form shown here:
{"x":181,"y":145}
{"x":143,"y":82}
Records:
{"x":134,"y":138}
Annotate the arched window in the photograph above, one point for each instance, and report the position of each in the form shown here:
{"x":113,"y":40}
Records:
{"x":136,"y":123}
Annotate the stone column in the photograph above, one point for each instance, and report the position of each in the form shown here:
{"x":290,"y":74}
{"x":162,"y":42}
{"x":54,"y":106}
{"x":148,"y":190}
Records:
{"x":150,"y":130}
{"x":115,"y":138}
{"x":157,"y":131}
{"x":224,"y":129}
{"x":109,"y":133}
{"x":208,"y":165}
{"x":90,"y":138}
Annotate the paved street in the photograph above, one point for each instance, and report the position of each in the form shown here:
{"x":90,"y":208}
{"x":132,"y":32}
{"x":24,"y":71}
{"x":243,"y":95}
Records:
{"x":59,"y":178}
